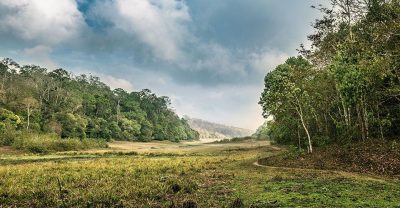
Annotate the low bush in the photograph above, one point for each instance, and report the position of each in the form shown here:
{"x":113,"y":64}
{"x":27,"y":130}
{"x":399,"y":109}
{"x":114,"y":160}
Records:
{"x":7,"y":137}
{"x":235,"y":139}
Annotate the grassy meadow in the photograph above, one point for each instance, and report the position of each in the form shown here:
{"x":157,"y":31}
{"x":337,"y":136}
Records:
{"x":163,"y":174}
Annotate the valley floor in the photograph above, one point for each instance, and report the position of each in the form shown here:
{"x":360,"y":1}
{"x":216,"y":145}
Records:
{"x":162,"y":174}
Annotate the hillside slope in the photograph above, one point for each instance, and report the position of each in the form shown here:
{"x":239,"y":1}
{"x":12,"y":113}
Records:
{"x":213,"y":130}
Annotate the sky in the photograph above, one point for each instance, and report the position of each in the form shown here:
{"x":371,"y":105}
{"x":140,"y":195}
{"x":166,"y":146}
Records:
{"x":209,"y":56}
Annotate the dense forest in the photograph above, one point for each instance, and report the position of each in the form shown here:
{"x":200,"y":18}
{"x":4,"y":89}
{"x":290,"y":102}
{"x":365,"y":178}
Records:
{"x":346,"y":87}
{"x":35,"y":100}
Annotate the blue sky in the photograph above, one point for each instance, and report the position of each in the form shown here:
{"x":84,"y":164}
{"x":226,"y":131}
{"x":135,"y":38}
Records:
{"x":208,"y":56}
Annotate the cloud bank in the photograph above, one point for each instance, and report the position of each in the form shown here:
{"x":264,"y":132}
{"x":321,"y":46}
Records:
{"x":209,"y":56}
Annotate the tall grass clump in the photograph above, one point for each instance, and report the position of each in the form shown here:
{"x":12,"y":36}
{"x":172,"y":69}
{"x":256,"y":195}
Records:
{"x":45,"y":143}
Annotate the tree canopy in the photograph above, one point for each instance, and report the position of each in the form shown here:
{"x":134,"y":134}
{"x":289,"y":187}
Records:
{"x":35,"y":99}
{"x":346,"y":87}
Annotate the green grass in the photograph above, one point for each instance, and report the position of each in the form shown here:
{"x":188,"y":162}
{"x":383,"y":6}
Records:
{"x":309,"y":189}
{"x":213,"y":179}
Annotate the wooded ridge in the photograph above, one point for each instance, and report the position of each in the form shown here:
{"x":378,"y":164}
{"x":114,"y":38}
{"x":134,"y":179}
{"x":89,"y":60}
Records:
{"x":36,"y":100}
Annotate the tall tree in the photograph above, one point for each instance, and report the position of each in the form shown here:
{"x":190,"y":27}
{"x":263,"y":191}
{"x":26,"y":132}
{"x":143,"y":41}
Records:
{"x":30,"y":104}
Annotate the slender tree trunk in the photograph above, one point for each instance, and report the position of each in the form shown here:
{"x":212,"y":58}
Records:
{"x":118,"y":110}
{"x":29,"y":115}
{"x":326,"y":125}
{"x":350,"y":29}
{"x":317,"y":122}
{"x":379,"y":121}
{"x":360,"y":124}
{"x":349,"y":116}
{"x":346,"y":111}
{"x":3,"y":81}
{"x":348,"y":11}
{"x":298,"y":135}
{"x":308,"y":134}
{"x":300,"y":112}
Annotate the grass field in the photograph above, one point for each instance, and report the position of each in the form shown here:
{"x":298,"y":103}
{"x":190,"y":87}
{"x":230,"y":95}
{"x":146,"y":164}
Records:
{"x":181,"y":175}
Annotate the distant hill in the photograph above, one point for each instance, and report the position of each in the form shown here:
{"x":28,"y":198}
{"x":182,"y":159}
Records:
{"x":214,"y":130}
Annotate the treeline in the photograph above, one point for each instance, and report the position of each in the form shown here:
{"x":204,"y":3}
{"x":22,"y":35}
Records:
{"x":345,"y":88}
{"x":36,"y":100}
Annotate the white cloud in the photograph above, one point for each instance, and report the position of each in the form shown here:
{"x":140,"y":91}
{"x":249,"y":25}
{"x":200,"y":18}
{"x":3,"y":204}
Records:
{"x":40,"y":54}
{"x":159,"y":24}
{"x":43,"y":21}
{"x":267,"y":61}
{"x":220,"y":58}
{"x":115,"y":82}
{"x":163,"y":27}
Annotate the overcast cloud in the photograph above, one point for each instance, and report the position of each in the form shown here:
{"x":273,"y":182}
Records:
{"x":209,"y":56}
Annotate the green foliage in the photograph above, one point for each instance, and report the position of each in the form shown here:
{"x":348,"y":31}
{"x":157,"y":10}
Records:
{"x":262,"y":131}
{"x":45,"y":143}
{"x":235,"y":140}
{"x":83,"y":107}
{"x":347,"y":88}
{"x":72,"y":125}
{"x":288,"y":95}
{"x":282,"y":132}
{"x":130,"y":129}
{"x":8,"y":120}
{"x":7,"y":137}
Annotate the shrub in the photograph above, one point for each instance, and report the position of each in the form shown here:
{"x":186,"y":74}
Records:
{"x":8,"y":119}
{"x":238,"y":203}
{"x":7,"y":137}
{"x":321,"y":141}
{"x":293,"y":152}
{"x":72,"y":125}
{"x":235,"y":139}
{"x":8,"y":124}
{"x":44,"y":143}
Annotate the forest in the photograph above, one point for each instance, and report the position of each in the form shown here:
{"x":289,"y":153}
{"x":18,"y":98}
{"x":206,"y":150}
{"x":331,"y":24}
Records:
{"x":345,"y":87}
{"x":34,"y":100}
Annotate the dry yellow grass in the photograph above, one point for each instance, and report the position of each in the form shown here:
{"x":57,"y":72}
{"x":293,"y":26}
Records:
{"x":9,"y":151}
{"x":185,"y":147}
